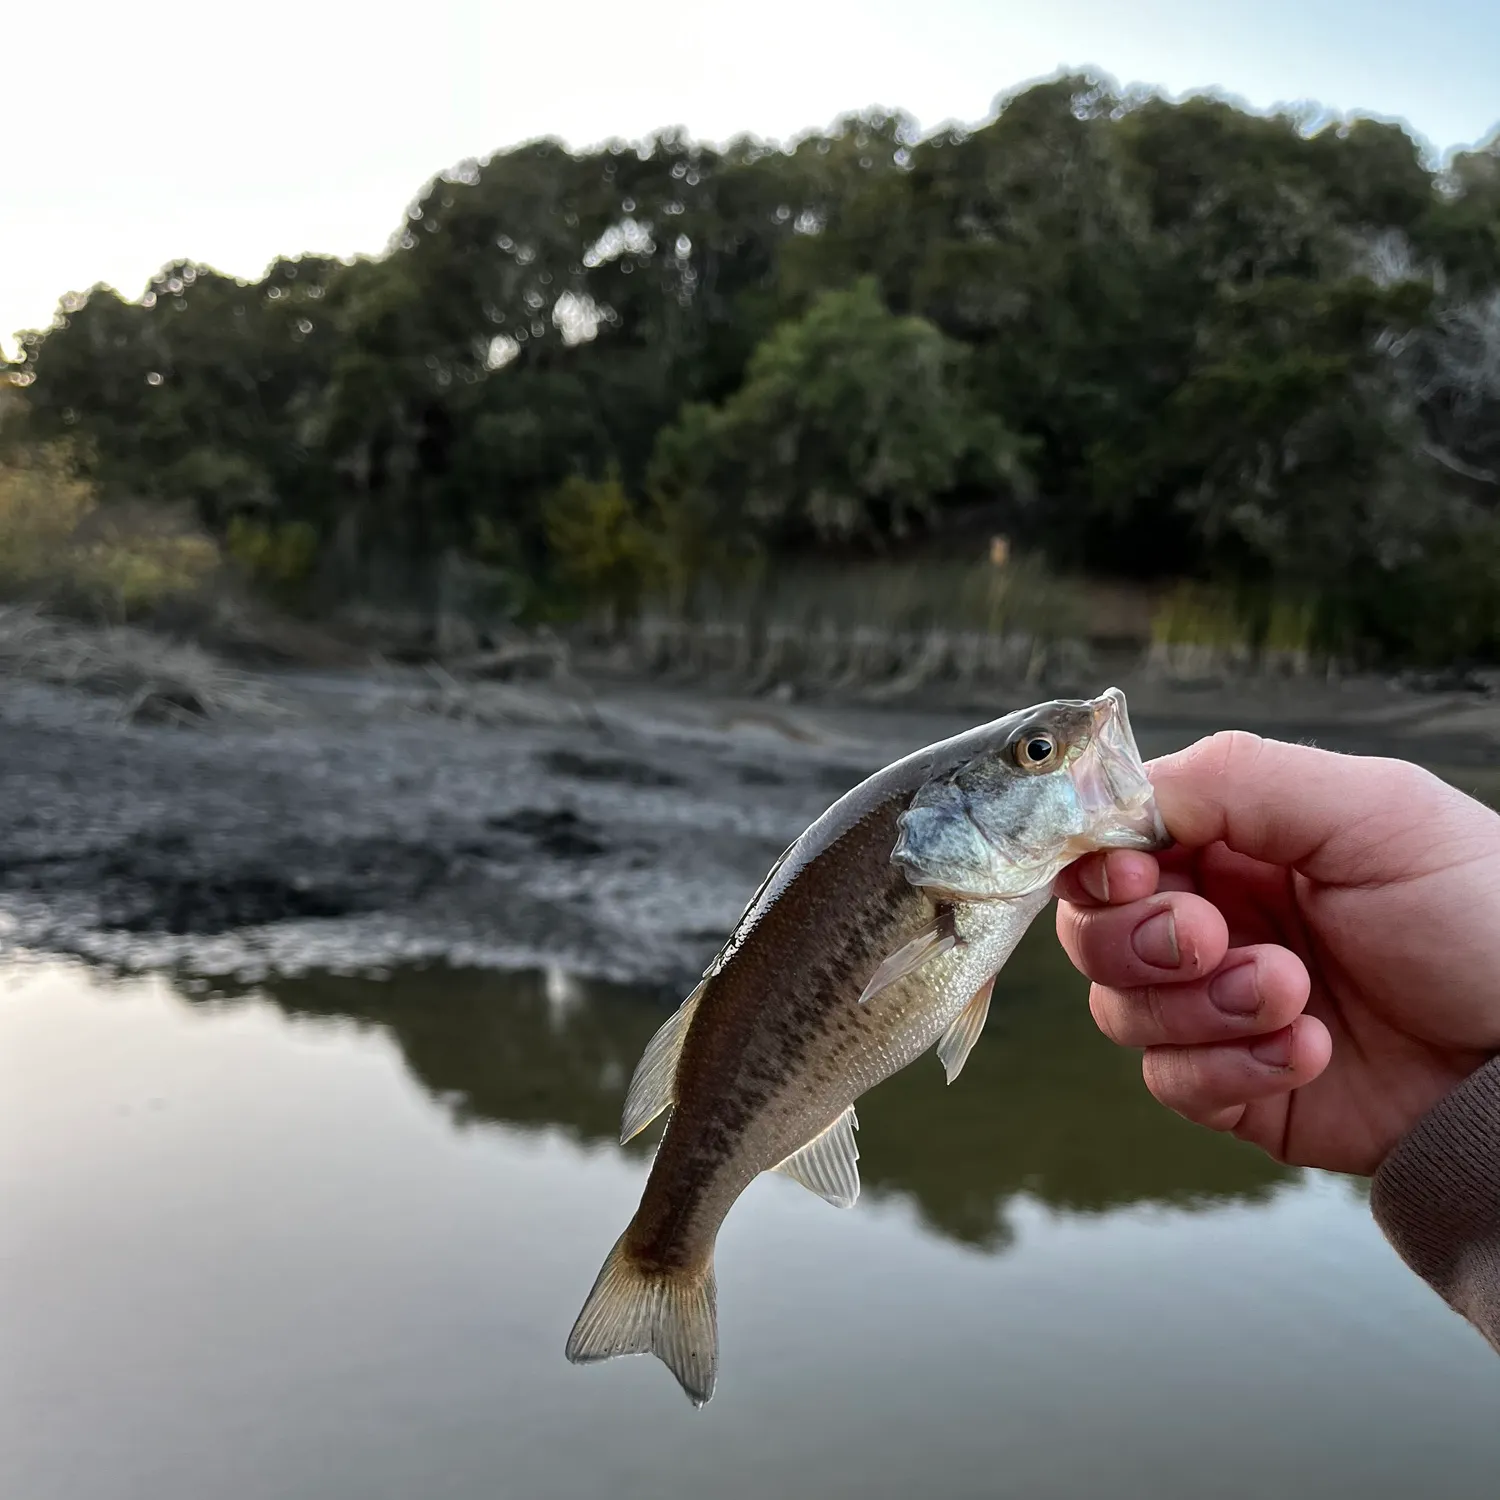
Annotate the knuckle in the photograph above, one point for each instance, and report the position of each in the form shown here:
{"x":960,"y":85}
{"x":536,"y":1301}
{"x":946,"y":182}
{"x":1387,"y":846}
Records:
{"x":1407,"y":774}
{"x":1105,"y":1007}
{"x":1070,"y":937}
{"x":1152,"y":1005}
{"x":1230,"y":753}
{"x":1396,"y":782}
{"x":1090,"y":943}
{"x":1068,"y":920}
{"x":1163,"y":1075}
{"x":1175,"y":1079}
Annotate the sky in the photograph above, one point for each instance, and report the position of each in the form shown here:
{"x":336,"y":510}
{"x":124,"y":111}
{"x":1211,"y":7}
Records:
{"x":227,"y":133}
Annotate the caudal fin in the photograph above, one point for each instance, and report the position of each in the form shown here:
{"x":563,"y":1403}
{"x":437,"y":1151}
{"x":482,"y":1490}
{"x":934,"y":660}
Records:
{"x":632,"y":1310}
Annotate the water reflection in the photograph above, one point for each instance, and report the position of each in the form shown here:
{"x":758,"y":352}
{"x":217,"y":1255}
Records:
{"x":1045,"y":1105}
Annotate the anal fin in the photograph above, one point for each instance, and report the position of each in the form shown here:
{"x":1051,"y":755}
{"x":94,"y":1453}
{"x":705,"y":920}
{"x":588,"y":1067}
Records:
{"x":958,"y":1040}
{"x":931,"y":941}
{"x":826,"y":1164}
{"x":652,"y":1087}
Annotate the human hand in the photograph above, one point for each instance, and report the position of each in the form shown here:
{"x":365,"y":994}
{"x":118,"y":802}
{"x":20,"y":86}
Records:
{"x":1315,"y":963}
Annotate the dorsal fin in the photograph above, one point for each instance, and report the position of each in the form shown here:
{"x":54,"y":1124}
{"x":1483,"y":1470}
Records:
{"x":652,"y":1087}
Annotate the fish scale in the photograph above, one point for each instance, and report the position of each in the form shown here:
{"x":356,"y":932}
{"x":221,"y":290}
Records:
{"x":876,"y":936}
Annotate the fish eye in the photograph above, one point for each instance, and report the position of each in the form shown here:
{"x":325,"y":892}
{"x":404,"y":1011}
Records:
{"x":1035,"y":749}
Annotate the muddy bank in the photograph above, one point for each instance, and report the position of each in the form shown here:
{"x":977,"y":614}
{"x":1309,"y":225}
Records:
{"x":614,"y":829}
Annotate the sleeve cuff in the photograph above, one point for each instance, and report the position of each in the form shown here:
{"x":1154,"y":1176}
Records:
{"x":1436,"y":1197}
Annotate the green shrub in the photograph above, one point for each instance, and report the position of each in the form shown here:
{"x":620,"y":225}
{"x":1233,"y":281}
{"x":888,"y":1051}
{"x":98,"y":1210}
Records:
{"x":601,"y":551}
{"x":277,"y":555}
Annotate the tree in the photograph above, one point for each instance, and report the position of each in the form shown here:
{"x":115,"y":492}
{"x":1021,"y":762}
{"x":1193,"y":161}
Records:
{"x":851,"y":424}
{"x":1206,"y":341}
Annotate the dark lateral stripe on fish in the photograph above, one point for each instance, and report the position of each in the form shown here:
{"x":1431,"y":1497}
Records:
{"x":745,"y":1080}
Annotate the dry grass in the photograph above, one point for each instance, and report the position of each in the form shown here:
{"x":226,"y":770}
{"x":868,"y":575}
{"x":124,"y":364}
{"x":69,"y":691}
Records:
{"x":903,"y":630}
{"x":1200,"y":631}
{"x":862,"y":664}
{"x":60,"y":546}
{"x":905,"y":627}
{"x":152,"y":679}
{"x":912,"y":595}
{"x":564,"y":700}
{"x":875,"y":630}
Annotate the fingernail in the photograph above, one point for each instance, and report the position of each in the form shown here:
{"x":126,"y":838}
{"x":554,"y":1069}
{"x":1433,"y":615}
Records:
{"x":1155,"y":941}
{"x":1236,"y":992}
{"x":1274,"y":1051}
{"x":1093,"y":875}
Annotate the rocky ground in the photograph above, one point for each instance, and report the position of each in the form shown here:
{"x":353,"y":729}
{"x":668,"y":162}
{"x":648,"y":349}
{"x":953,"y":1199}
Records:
{"x":353,"y":820}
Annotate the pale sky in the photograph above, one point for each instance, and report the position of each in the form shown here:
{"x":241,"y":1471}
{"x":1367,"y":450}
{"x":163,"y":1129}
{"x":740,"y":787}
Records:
{"x":229,"y":133}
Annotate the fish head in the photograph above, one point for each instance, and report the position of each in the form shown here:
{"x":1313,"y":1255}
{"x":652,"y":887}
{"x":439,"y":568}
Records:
{"x":1056,"y":782}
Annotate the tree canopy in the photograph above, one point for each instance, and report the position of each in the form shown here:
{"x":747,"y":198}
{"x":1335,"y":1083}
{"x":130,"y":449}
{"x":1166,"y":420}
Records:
{"x":1152,"y":338}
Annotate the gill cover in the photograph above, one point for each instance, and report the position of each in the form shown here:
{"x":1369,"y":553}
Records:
{"x":1007,"y":821}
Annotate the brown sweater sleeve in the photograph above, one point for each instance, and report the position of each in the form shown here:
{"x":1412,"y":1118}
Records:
{"x":1437,"y":1198}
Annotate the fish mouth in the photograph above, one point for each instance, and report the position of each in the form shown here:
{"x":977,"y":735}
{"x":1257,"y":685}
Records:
{"x":1112,"y":783}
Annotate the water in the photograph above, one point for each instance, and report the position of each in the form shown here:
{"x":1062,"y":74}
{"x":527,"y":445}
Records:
{"x":326,"y":1238}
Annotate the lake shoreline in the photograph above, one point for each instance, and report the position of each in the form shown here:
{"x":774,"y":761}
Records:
{"x":606,"y":825}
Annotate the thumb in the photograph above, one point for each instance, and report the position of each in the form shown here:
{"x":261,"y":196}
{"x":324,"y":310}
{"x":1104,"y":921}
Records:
{"x":1333,"y":817}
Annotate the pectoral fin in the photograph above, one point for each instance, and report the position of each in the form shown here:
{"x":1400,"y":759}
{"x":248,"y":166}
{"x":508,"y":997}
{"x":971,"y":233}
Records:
{"x":927,"y":944}
{"x":826,"y":1164}
{"x":958,"y":1040}
{"x":652,"y":1087}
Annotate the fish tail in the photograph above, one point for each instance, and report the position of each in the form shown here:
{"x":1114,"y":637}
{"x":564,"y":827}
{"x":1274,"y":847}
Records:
{"x":637,"y":1309}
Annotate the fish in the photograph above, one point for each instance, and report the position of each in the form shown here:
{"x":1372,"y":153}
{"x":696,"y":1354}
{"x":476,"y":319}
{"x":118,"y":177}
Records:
{"x":875,"y":937}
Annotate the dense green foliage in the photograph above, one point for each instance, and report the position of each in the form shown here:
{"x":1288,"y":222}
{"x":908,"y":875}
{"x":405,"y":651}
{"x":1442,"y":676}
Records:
{"x":1152,"y":339}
